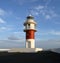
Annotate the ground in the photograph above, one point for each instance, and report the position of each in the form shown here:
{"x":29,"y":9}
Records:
{"x":39,"y":57}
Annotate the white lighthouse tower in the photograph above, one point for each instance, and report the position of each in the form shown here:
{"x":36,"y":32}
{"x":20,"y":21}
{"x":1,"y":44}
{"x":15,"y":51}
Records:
{"x":30,"y":29}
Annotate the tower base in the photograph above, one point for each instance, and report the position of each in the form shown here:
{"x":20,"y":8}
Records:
{"x":25,"y":50}
{"x":30,"y":43}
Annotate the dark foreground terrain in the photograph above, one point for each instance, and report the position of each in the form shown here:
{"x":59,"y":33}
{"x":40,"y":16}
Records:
{"x":39,"y":57}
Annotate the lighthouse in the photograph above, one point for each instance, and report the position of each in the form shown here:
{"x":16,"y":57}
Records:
{"x":30,"y":29}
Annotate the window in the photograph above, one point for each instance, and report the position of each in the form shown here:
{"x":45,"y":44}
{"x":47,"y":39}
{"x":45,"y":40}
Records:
{"x":28,"y":26}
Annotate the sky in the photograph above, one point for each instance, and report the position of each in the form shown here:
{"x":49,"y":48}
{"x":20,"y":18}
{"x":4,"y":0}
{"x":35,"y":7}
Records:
{"x":13,"y":14}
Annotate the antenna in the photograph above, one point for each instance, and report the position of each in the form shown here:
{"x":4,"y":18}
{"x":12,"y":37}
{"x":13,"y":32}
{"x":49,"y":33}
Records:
{"x":30,"y":16}
{"x":30,"y":13}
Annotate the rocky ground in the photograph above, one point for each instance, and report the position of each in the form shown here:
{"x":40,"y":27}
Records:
{"x":39,"y":57}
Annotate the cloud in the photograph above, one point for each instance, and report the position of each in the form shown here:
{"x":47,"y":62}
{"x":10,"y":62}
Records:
{"x":57,"y":22}
{"x":2,"y":21}
{"x":5,"y":28}
{"x":51,"y":32}
{"x":33,"y":12}
{"x":18,"y":32}
{"x":47,"y":2}
{"x":47,"y":16}
{"x":55,"y":32}
{"x":5,"y":13}
{"x":9,"y":13}
{"x":18,"y":18}
{"x":24,"y":1}
{"x":44,"y":10}
{"x":2,"y":29}
{"x":12,"y":44}
{"x":39,"y":7}
{"x":48,"y":44}
{"x":13,"y":37}
{"x":2,"y":12}
{"x":17,"y":36}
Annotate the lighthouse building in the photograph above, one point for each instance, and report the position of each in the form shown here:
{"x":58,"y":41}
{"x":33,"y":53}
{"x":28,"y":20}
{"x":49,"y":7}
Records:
{"x":30,"y":29}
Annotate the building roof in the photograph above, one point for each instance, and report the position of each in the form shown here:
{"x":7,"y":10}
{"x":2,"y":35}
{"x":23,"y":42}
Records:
{"x":30,"y":19}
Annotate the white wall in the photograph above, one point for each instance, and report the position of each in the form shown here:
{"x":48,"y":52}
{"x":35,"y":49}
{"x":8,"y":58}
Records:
{"x":32,"y":41}
{"x":32,"y":26}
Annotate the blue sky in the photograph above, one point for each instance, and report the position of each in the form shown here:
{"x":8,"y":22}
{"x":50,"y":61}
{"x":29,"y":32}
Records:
{"x":13,"y":13}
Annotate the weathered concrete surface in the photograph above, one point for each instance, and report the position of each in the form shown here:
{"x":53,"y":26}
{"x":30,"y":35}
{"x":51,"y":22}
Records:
{"x":25,"y":50}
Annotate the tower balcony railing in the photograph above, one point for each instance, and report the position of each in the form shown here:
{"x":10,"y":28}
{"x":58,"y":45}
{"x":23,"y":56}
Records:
{"x":29,"y":29}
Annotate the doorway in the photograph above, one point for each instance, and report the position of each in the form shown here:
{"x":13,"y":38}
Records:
{"x":29,"y":44}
